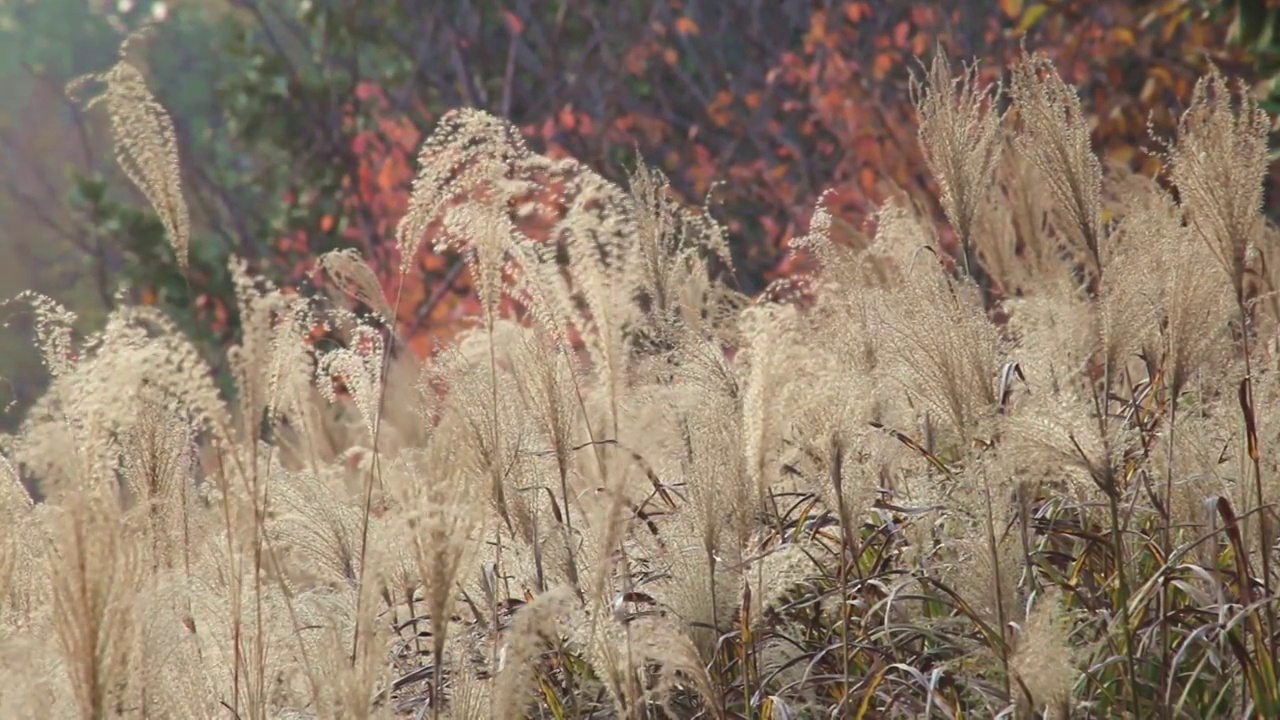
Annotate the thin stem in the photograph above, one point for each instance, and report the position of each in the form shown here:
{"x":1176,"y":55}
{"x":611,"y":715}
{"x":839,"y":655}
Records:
{"x":375,"y":472}
{"x":1166,"y":679}
{"x":1001,"y":616}
{"x":1111,"y":485}
{"x":1264,"y":517}
{"x":1117,"y":539}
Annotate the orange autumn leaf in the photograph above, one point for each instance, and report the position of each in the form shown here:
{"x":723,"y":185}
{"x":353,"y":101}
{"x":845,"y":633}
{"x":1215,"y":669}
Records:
{"x":901,"y":34}
{"x":883,"y":64}
{"x":920,"y":44}
{"x":513,"y":21}
{"x":567,"y":120}
{"x":923,"y":15}
{"x":855,"y":12}
{"x":719,"y":111}
{"x":817,"y":34}
{"x":1011,"y":8}
{"x":867,"y":179}
{"x":686,"y":26}
{"x":388,"y":178}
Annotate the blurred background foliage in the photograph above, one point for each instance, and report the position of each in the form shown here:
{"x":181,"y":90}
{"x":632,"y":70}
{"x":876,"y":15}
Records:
{"x":299,"y":121}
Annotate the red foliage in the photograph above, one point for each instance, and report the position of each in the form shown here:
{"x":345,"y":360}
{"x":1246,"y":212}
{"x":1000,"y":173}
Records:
{"x":830,"y":113}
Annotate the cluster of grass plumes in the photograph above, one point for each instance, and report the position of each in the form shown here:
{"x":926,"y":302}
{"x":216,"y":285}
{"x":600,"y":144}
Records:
{"x":1033,"y":480}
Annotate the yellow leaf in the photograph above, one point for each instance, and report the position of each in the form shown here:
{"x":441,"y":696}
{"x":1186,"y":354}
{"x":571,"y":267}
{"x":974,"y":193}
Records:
{"x":1031,"y":17}
{"x":1123,"y":36}
{"x":869,"y":694}
{"x":1011,"y":8}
